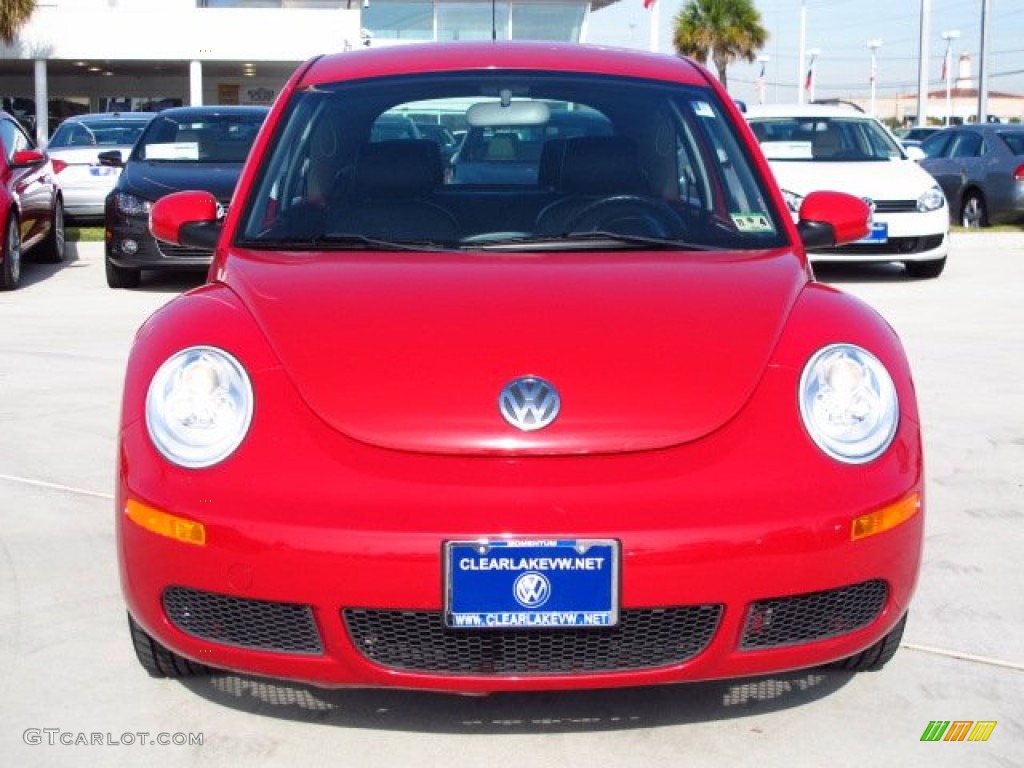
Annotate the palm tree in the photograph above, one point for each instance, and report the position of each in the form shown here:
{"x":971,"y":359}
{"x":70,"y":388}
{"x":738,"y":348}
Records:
{"x":727,"y":29}
{"x":14,"y":14}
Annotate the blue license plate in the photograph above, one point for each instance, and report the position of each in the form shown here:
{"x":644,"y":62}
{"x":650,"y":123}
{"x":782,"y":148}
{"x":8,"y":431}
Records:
{"x":531,"y":584}
{"x":879,"y":233}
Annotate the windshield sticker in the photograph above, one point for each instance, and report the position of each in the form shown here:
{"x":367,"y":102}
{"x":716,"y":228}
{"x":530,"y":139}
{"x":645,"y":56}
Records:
{"x":703,"y":109}
{"x":753,"y":222}
{"x":176,"y":150}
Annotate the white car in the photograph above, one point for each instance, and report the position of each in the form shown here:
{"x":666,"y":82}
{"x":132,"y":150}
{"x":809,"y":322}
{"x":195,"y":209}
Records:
{"x":813,"y":147}
{"x":75,"y":147}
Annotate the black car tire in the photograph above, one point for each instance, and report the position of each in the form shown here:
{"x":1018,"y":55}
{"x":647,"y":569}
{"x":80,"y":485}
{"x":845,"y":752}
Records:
{"x":10,"y":269}
{"x":54,"y":247}
{"x":122,"y":277}
{"x":878,"y":655}
{"x":925,"y":270}
{"x":159,"y":661}
{"x":974,"y":212}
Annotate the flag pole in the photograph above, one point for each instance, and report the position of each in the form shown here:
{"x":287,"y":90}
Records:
{"x":654,"y":8}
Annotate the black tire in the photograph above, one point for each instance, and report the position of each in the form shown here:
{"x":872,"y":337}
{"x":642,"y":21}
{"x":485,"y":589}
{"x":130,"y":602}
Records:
{"x":122,"y":277}
{"x":55,"y":246}
{"x":924,"y":270}
{"x":10,"y":242}
{"x":878,"y":655}
{"x":157,"y":660}
{"x":974,"y":211}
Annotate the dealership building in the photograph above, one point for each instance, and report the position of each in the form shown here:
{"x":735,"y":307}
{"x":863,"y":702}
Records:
{"x":103,"y":55}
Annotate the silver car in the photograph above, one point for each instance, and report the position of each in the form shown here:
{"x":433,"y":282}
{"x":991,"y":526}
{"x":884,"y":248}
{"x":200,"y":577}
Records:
{"x":981,"y":170}
{"x":74,"y":149}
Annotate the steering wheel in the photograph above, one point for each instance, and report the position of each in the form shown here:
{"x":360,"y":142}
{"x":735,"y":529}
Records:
{"x":628,"y":215}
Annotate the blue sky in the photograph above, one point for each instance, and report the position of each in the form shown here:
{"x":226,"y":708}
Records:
{"x":842,"y":29}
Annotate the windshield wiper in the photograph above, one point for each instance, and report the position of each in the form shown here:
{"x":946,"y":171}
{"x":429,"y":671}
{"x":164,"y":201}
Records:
{"x":596,"y":239}
{"x":347,"y":241}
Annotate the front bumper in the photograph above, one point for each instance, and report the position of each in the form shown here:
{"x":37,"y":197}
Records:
{"x":130,"y":244}
{"x":912,"y":236}
{"x":316,"y":539}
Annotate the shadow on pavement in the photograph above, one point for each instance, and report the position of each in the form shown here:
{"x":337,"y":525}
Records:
{"x":519,"y":713}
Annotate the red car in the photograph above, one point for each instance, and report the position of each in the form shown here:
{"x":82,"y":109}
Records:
{"x":596,"y":428}
{"x":31,"y":207}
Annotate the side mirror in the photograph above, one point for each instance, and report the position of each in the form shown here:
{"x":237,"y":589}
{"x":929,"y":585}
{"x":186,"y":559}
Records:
{"x":828,"y":219}
{"x":915,"y":153}
{"x":26,"y":158}
{"x":186,"y":218}
{"x":111,"y":158}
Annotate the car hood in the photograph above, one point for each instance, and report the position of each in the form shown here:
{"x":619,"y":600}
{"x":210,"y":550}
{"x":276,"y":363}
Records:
{"x":153,"y":180}
{"x":411,"y":351}
{"x":879,"y":180}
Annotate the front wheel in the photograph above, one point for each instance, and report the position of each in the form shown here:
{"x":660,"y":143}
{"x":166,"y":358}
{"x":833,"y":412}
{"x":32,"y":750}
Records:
{"x":974,"y":212}
{"x":121,"y":277}
{"x":878,"y":655}
{"x":159,"y":661}
{"x":10,"y":253}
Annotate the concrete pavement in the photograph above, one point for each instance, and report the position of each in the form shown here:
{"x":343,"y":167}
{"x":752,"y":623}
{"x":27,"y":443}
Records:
{"x":70,"y":678}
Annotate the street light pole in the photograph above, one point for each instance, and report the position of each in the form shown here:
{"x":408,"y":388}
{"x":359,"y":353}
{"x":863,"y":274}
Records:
{"x":874,"y":45}
{"x":947,"y":66}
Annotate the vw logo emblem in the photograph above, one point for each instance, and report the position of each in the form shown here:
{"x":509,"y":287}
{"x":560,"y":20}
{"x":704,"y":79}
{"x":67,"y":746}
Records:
{"x":529,"y":403}
{"x":532,"y":589}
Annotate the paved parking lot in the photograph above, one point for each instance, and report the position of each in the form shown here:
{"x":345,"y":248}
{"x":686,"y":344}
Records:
{"x":71,"y":692}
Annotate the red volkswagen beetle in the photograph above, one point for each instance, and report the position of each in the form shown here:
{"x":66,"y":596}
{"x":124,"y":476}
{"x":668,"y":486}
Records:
{"x":596,"y":426}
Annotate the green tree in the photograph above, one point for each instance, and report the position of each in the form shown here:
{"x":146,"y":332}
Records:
{"x":727,"y":29}
{"x":14,"y":14}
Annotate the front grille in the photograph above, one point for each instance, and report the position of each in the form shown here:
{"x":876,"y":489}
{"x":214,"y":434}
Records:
{"x":257,"y":624}
{"x":418,"y":641}
{"x":182,"y":251}
{"x":895,"y":206}
{"x":895,"y":245}
{"x":813,"y":616}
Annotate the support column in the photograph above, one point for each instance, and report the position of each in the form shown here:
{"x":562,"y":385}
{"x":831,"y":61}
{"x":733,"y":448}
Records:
{"x":42,"y":103}
{"x":195,"y":82}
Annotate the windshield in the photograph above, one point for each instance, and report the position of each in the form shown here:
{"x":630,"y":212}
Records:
{"x":825,"y":139}
{"x":546,"y":161}
{"x":209,"y":138}
{"x":100,"y":133}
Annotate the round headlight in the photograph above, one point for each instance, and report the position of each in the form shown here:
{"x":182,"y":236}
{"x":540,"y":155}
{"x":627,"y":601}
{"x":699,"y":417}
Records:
{"x":848,"y":403}
{"x":199,"y":407}
{"x":931,"y":200}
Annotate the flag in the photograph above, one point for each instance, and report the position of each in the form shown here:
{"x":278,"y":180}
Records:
{"x":945,"y":65}
{"x":809,"y":81}
{"x":648,"y":3}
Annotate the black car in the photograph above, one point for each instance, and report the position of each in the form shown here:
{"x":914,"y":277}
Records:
{"x":182,"y":148}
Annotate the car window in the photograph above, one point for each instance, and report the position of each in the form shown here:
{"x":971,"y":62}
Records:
{"x":109,"y":133}
{"x":665,"y":159}
{"x":938,"y":144}
{"x":215,"y":138}
{"x":967,"y":144}
{"x":14,"y":138}
{"x":827,"y":139}
{"x":1015,"y":142}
